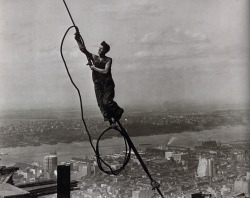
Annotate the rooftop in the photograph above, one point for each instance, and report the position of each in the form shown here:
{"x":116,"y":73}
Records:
{"x":8,"y":190}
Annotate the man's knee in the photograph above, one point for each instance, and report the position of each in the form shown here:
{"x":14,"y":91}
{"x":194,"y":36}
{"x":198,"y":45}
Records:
{"x":106,"y":102}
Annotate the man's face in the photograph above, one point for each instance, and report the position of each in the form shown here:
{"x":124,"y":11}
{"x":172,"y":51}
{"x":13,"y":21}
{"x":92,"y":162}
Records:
{"x":101,"y":50}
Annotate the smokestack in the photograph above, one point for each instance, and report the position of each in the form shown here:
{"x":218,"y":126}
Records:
{"x":172,"y":139}
{"x":63,"y":181}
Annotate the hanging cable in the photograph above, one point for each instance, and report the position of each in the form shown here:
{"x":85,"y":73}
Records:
{"x":127,"y":141}
{"x":100,"y":161}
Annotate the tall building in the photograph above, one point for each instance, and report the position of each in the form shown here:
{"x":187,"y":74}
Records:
{"x":84,"y":170}
{"x":205,"y":167}
{"x":50,"y":163}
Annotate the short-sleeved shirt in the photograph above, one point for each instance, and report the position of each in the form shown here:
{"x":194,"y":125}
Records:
{"x":101,"y":63}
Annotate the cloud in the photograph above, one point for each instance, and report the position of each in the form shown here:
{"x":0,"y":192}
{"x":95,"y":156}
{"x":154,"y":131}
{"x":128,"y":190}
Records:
{"x":141,"y":54}
{"x":188,"y":35}
{"x":124,"y":10}
{"x":151,"y":37}
{"x":173,"y":35}
{"x":173,"y":43}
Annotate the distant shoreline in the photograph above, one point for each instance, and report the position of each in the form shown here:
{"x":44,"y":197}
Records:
{"x":116,"y":144}
{"x":23,"y":132}
{"x":94,"y":138}
{"x":93,"y":111}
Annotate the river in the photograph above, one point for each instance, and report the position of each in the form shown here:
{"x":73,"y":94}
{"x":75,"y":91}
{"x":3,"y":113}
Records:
{"x":115,"y":145}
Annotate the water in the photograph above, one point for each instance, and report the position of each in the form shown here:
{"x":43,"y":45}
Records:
{"x":115,"y":145}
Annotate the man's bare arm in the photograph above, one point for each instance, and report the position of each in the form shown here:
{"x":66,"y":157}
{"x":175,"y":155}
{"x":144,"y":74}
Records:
{"x":82,"y":46}
{"x":105,"y":70}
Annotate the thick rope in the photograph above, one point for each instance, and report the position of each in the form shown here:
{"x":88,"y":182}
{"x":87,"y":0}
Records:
{"x":128,"y":143}
{"x":99,"y":159}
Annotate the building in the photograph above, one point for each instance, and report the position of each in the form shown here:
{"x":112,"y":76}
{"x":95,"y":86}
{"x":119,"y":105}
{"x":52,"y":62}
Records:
{"x":83,"y":166}
{"x":7,"y":188}
{"x":142,"y":193}
{"x":10,"y":191}
{"x":50,"y":163}
{"x":168,"y":155}
{"x":242,"y":186}
{"x":84,"y":170}
{"x":143,"y":147}
{"x":248,"y":176}
{"x":177,"y":148}
{"x":239,"y":154}
{"x":208,"y":144}
{"x":205,"y":167}
{"x":225,"y":191}
{"x":178,"y":157}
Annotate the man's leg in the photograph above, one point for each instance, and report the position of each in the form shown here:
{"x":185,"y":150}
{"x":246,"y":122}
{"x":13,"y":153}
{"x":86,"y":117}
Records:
{"x":109,"y":104}
{"x":99,"y":92}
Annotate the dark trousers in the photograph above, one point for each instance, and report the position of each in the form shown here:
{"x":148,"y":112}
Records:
{"x":105,"y":93}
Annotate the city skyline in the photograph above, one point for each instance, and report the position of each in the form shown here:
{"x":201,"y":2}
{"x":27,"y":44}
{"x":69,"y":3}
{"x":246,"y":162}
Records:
{"x":209,"y":168}
{"x":162,"y":51}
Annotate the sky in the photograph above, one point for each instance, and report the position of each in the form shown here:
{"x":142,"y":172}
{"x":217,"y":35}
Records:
{"x":162,"y":50}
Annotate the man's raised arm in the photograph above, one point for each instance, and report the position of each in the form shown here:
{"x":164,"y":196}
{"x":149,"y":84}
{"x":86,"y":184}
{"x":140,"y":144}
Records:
{"x":82,"y":47}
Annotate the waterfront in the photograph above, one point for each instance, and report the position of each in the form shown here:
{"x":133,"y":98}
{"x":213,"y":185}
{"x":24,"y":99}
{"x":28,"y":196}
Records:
{"x":81,"y":149}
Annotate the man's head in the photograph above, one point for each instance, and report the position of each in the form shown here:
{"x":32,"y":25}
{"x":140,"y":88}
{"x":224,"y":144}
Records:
{"x":103,"y":48}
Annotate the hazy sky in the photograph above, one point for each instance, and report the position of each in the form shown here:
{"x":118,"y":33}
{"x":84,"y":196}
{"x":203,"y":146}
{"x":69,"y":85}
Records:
{"x":162,"y":50}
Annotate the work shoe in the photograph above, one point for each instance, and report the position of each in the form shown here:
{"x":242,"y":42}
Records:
{"x":112,"y":124}
{"x":119,"y":114}
{"x":106,"y":117}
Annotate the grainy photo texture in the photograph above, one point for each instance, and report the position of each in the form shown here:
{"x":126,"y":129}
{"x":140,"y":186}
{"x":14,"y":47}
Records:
{"x":124,"y":99}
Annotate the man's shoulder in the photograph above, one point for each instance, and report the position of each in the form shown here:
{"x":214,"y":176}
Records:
{"x":108,"y":58}
{"x":98,"y":57}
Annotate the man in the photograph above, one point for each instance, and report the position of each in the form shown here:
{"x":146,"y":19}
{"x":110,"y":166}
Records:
{"x":103,"y":81}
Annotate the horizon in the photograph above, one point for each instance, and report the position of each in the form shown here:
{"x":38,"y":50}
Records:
{"x":171,"y":104}
{"x":93,"y":111}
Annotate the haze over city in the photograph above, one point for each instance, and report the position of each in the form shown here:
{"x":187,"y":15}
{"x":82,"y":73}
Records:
{"x":164,"y":50}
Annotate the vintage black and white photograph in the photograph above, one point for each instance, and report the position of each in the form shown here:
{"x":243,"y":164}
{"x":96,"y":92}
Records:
{"x":124,"y":99}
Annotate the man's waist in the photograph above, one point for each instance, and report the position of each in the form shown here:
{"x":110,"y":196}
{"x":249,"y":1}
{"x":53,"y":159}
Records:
{"x":102,"y":77}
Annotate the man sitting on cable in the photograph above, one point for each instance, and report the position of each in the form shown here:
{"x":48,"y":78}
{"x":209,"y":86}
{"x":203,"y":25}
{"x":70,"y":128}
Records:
{"x":103,"y":81}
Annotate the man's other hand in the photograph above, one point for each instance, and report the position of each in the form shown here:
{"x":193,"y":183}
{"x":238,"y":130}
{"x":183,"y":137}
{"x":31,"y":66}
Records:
{"x":92,"y":67}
